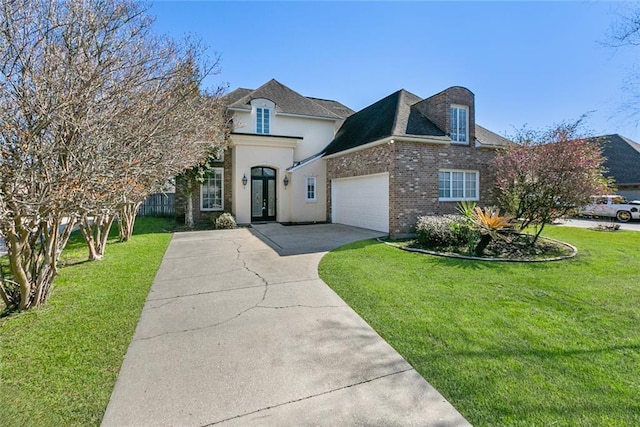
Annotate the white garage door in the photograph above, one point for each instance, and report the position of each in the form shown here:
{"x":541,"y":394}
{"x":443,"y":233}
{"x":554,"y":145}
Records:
{"x":361,"y":201}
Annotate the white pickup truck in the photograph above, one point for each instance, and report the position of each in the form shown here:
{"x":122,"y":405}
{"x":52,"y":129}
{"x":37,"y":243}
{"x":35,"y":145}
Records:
{"x":612,"y":206}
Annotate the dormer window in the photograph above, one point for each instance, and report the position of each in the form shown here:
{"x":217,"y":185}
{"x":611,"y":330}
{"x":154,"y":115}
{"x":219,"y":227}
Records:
{"x":263,"y":120}
{"x":459,"y":124}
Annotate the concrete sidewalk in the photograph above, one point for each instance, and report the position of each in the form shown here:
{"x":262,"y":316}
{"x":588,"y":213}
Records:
{"x":238,"y":330}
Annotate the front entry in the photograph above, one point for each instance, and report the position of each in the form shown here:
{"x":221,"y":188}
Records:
{"x":263,"y":194}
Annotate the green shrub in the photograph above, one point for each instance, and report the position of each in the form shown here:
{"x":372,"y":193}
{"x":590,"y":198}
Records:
{"x":443,"y":231}
{"x":225,"y":221}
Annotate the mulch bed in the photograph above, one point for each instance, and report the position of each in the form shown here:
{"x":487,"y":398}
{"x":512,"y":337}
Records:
{"x":518,"y":248}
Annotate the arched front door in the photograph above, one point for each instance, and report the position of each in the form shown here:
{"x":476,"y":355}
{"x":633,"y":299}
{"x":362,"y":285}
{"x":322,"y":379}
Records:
{"x":263,"y":194}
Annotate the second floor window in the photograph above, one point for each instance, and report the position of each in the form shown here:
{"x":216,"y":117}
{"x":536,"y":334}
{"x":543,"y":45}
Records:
{"x":263,"y":120}
{"x":459,"y":124}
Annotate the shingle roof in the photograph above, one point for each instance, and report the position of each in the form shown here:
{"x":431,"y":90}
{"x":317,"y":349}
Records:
{"x":396,"y":115}
{"x":333,"y":106}
{"x":236,"y":95}
{"x":367,"y":125}
{"x":487,"y":138}
{"x":623,"y":158}
{"x":287,"y":101}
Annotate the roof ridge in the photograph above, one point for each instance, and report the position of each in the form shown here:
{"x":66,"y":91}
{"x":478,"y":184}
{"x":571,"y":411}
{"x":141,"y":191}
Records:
{"x":396,"y":113}
{"x":287,"y":101}
{"x":332,"y":114}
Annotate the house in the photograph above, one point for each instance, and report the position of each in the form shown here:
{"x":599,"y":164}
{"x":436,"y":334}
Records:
{"x":623,"y":163}
{"x":296,"y":159}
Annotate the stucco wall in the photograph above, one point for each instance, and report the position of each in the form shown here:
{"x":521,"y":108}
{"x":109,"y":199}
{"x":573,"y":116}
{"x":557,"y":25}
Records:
{"x":246,"y":157}
{"x":304,"y":210}
{"x":315,"y":133}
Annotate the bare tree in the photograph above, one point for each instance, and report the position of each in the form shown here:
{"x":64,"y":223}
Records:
{"x":167,"y":128}
{"x":90,"y":107}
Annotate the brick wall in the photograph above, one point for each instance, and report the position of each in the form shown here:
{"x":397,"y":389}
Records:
{"x":413,"y":177}
{"x":416,"y":180}
{"x":437,"y":108}
{"x":198,"y":215}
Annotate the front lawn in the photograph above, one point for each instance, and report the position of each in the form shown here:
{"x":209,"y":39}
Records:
{"x":526,"y":344}
{"x":59,"y":363}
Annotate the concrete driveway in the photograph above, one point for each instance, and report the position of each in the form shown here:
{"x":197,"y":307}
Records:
{"x":591,"y":223}
{"x":238,"y":330}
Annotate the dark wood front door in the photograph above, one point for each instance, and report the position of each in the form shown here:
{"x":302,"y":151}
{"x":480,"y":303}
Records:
{"x":263,"y":194}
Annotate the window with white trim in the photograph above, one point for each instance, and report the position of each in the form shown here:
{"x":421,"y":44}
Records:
{"x":212,"y":191}
{"x":263,"y":120}
{"x":455,"y":185}
{"x":459,"y":124}
{"x":310,"y":188}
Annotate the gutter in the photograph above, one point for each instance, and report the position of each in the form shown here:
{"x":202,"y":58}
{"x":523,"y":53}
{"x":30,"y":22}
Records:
{"x":443,"y":140}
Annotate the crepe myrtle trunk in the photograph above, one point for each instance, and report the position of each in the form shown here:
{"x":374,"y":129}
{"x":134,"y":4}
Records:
{"x":188,"y":215}
{"x":126,"y":219}
{"x":96,"y":232}
{"x":33,"y":250}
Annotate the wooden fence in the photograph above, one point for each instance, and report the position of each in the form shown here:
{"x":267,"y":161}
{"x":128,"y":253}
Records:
{"x":158,"y":204}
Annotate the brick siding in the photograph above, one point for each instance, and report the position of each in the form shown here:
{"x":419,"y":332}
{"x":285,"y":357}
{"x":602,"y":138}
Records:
{"x":413,"y":177}
{"x":204,"y":216}
{"x":437,"y":108}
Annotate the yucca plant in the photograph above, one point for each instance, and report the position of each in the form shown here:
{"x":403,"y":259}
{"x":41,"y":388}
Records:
{"x":490,"y":224}
{"x":466,"y":208}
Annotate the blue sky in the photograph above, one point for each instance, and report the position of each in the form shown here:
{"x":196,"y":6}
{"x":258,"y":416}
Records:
{"x":533,"y":63}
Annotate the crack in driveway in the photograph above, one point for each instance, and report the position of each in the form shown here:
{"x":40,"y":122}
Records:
{"x":308,"y":397}
{"x":244,"y":265}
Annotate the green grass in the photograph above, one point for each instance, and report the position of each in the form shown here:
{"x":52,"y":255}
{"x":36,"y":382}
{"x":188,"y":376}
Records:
{"x":59,"y":363}
{"x":510,"y":344}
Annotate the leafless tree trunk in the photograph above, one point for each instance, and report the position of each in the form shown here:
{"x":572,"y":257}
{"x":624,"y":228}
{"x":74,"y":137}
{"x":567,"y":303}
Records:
{"x":33,"y":252}
{"x":96,"y":233}
{"x":188,"y":216}
{"x":94,"y":109}
{"x":126,"y":220}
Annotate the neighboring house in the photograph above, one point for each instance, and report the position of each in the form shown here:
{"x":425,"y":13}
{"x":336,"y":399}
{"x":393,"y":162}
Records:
{"x":295,"y":159}
{"x":623,"y":163}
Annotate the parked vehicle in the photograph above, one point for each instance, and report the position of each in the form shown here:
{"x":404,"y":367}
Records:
{"x":612,"y":206}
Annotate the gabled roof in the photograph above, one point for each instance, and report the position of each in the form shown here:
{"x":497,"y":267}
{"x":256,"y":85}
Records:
{"x":623,"y":158}
{"x":396,"y":116}
{"x":287,"y":101}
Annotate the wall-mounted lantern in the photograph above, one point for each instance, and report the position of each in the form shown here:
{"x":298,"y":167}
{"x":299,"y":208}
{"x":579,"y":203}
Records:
{"x":286,"y":181}
{"x":244,"y":179}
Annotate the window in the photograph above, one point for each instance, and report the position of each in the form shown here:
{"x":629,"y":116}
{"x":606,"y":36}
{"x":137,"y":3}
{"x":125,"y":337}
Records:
{"x":458,"y":185}
{"x":459,"y":124}
{"x":311,"y":188}
{"x":211,"y":191}
{"x":262,"y":120}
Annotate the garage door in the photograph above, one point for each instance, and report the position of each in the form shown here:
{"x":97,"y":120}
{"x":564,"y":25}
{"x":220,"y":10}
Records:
{"x":361,"y":201}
